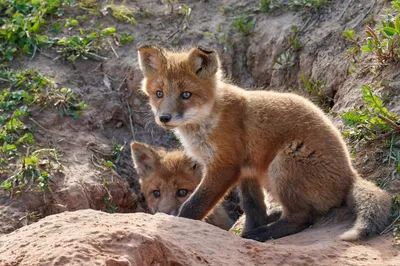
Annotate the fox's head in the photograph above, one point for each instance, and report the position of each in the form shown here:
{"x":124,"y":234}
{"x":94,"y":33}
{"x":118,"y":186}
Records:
{"x":167,"y":179}
{"x":181,"y":86}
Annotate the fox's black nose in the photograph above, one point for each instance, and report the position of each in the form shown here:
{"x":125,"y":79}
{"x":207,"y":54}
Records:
{"x":165,"y":118}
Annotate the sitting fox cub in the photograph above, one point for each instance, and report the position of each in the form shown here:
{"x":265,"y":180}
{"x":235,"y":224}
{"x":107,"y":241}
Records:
{"x":257,"y":139}
{"x":167,"y":180}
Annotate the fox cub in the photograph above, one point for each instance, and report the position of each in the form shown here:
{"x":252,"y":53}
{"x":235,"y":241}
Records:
{"x":167,"y":179}
{"x":257,"y":139}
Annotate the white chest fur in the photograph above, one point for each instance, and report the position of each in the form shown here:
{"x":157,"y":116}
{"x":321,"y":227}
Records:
{"x":195,"y":139}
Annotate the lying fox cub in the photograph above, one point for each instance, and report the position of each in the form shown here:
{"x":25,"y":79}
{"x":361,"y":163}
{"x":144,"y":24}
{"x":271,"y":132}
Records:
{"x":167,"y":179}
{"x":257,"y":139}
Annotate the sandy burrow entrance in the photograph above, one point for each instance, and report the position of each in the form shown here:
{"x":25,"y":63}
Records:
{"x":88,"y":237}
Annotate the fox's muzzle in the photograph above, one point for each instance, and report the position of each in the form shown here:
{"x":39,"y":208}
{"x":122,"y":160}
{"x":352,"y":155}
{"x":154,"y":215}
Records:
{"x":164,"y":118}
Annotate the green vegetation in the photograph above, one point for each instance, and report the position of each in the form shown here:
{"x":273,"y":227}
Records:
{"x":383,"y":41}
{"x":86,"y":46}
{"x":295,"y":5}
{"x":21,"y":23}
{"x":22,"y":161}
{"x":286,"y":59}
{"x":373,"y":121}
{"x":110,"y":206}
{"x":122,"y":13}
{"x":395,"y":215}
{"x":244,"y":24}
{"x":219,"y":36}
{"x":354,"y":51}
{"x":316,"y":90}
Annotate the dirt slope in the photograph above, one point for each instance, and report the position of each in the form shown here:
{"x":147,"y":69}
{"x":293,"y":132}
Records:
{"x":119,"y":111}
{"x":89,"y":237}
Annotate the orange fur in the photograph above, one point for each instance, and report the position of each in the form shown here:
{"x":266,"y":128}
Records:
{"x":257,"y":138}
{"x":167,"y":173}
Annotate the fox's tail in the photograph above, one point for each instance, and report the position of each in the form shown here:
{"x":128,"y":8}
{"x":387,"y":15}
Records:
{"x":371,"y":205}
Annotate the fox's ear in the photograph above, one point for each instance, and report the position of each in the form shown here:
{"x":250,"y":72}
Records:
{"x":145,"y":158}
{"x":151,"y":59}
{"x":204,"y":62}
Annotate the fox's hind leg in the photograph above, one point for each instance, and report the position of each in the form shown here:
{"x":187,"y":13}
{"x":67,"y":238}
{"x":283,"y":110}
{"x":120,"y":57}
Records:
{"x":253,"y":203}
{"x":280,"y":228}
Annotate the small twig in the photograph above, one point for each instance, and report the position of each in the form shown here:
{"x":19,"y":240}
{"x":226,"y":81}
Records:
{"x":45,"y":129}
{"x":130,"y":119}
{"x":391,"y":123}
{"x":345,"y":9}
{"x":112,"y":48}
{"x":122,"y":83}
{"x":370,"y":9}
{"x":97,"y":67}
{"x":366,"y":14}
{"x":97,"y":165}
{"x":95,"y":56}
{"x":34,"y":53}
{"x":58,"y":57}
{"x":173,"y":34}
{"x":46,"y":55}
{"x":387,"y":229}
{"x":384,"y":135}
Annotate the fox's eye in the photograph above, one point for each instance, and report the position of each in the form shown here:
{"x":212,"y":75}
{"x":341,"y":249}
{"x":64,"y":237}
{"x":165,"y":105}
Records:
{"x":159,"y":94}
{"x":181,"y":193}
{"x":194,"y":166}
{"x":156,"y":193}
{"x":186,"y":95}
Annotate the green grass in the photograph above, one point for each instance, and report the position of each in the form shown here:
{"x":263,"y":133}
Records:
{"x":23,"y":163}
{"x":373,"y":121}
{"x":383,"y":41}
{"x":295,"y":5}
{"x":244,"y":24}
{"x":21,"y":25}
{"x":122,"y":13}
{"x":316,"y":90}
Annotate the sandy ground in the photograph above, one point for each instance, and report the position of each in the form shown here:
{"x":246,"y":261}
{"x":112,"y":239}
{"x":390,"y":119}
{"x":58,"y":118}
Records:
{"x":89,"y":237}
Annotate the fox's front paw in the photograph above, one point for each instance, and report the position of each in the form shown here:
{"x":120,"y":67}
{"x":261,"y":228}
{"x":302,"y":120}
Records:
{"x":187,"y":213}
{"x":259,"y":234}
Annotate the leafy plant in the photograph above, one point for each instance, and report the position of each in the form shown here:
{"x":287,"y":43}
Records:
{"x":266,"y":5}
{"x":22,"y":164}
{"x":125,"y":38}
{"x":286,"y":59}
{"x":301,"y":4}
{"x":87,"y":45}
{"x":371,"y":120}
{"x":185,"y":11}
{"x":395,"y":214}
{"x":218,"y":36}
{"x":244,"y":24}
{"x":384,"y":40}
{"x":354,"y":51}
{"x":294,"y":42}
{"x":316,"y":90}
{"x":283,"y":61}
{"x":70,"y":22}
{"x":296,"y":5}
{"x":122,"y":13}
{"x":170,"y":3}
{"x":117,"y":150}
{"x":21,"y":23}
{"x":110,"y":206}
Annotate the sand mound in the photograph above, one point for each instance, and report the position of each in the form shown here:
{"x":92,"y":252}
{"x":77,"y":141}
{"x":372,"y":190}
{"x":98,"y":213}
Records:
{"x":88,"y":237}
